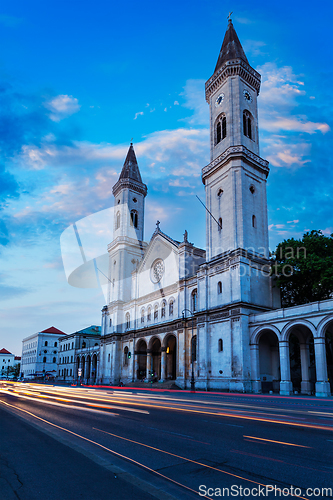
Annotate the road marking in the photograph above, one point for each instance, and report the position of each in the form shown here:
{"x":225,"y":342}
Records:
{"x":189,"y":460}
{"x":278,"y":442}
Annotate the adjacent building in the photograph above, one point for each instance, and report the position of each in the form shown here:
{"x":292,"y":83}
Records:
{"x":78,"y":355}
{"x":7,"y":362}
{"x":40,"y":354}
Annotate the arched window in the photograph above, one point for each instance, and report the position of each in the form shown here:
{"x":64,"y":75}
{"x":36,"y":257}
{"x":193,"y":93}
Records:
{"x":83,"y":345}
{"x":45,"y":343}
{"x":149,"y":314}
{"x":220,"y":345}
{"x":44,"y":359}
{"x":220,"y":224}
{"x":134,"y":218}
{"x":155,"y":313}
{"x":163,"y":309}
{"x":70,"y":373}
{"x":194,"y":299}
{"x":171,"y":308}
{"x":194,"y":348}
{"x":110,"y":322}
{"x":254,"y":221}
{"x":118,"y":220}
{"x":55,"y":344}
{"x":142,"y":315}
{"x":220,"y":129}
{"x":54,"y":360}
{"x":126,"y":356}
{"x":128,"y":321}
{"x":219,"y":287}
{"x":109,"y":357}
{"x":247,"y":124}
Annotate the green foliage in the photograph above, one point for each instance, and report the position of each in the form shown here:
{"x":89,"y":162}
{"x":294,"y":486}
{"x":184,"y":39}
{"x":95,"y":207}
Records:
{"x":304,"y":268}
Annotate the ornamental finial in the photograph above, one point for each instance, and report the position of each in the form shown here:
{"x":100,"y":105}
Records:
{"x":158,"y":225}
{"x":229,"y":17}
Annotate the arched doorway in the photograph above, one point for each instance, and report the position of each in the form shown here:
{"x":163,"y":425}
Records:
{"x":329,"y":353}
{"x":156,"y":358}
{"x":141,"y":357}
{"x":77,"y":366}
{"x":83,"y":367}
{"x":171,"y":358}
{"x":269,"y":362}
{"x":88,"y":368}
{"x":302,"y":359}
{"x":94,"y":368}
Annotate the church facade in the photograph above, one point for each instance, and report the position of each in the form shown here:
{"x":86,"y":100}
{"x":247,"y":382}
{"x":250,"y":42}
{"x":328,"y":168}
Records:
{"x":173,"y":308}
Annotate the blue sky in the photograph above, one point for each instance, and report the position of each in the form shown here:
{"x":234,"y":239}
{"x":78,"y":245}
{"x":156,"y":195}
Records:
{"x":80,"y":79}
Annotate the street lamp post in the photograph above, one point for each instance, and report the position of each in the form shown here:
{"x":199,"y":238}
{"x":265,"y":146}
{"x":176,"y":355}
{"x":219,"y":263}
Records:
{"x":192,"y":375}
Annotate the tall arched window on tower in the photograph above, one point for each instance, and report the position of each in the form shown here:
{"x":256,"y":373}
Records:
{"x":128,"y":321}
{"x":219,"y":288}
{"x":254,"y":221}
{"x":194,"y":299}
{"x":220,"y":128}
{"x":247,"y":125}
{"x":134,"y":218}
{"x":118,"y":220}
{"x":142,"y":315}
{"x":220,"y":224}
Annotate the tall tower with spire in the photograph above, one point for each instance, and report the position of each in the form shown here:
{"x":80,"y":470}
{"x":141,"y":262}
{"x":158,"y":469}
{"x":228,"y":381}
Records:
{"x":235,"y":179}
{"x":127,"y":247}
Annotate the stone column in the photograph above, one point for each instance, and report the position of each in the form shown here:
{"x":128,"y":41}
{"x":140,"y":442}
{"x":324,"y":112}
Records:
{"x":149,"y":367}
{"x":255,"y":368}
{"x":163,"y":364}
{"x":305,"y":363}
{"x":286,"y":386}
{"x":322,"y":385}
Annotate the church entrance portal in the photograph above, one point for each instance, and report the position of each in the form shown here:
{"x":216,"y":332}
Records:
{"x":141,"y":353}
{"x":171,"y":358}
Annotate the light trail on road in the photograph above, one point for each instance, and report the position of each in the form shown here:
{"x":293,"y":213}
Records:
{"x":145,"y":445}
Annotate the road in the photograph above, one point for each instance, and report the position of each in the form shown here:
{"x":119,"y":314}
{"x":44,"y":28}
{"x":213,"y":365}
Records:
{"x":184,"y":446}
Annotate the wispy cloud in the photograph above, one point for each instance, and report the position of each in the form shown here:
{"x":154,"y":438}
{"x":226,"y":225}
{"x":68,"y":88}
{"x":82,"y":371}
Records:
{"x":62,"y":106}
{"x":139,"y":113}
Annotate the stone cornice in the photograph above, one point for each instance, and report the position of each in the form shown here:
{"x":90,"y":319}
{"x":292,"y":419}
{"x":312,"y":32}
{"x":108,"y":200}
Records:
{"x":232,"y":68}
{"x":129,"y":184}
{"x":236,"y":152}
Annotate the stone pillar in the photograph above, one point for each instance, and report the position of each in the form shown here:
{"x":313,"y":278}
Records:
{"x":322,"y":385}
{"x":305,"y":363}
{"x":163,"y":364}
{"x":149,"y":367}
{"x":286,"y":386}
{"x":255,"y":368}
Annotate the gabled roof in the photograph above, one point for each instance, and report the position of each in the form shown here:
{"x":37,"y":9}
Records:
{"x":130,"y":169}
{"x":52,"y":329}
{"x":231,"y":48}
{"x":4,"y":351}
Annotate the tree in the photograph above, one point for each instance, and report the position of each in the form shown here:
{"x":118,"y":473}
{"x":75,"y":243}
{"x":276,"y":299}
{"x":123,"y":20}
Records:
{"x":304,"y":268}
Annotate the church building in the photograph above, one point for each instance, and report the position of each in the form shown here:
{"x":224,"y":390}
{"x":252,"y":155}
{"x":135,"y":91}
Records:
{"x":178,"y":312}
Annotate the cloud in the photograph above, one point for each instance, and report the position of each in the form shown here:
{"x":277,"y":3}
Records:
{"x":194,"y":95}
{"x":62,"y":106}
{"x":140,"y":113}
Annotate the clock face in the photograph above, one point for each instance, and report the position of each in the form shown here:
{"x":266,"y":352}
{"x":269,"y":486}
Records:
{"x":247,"y":95}
{"x":157,"y":271}
{"x":219,"y":100}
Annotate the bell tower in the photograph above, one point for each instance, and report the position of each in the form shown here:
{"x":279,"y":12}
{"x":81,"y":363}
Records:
{"x":127,"y":247}
{"x":235,"y":179}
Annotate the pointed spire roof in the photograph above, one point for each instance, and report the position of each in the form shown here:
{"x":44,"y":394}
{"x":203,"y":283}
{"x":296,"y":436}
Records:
{"x":131,"y":168}
{"x":231,"y":48}
{"x":130,"y":176}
